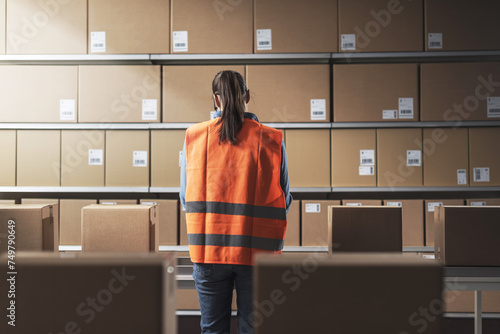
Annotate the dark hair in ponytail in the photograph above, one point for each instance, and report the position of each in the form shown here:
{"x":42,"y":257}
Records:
{"x":232,"y":91}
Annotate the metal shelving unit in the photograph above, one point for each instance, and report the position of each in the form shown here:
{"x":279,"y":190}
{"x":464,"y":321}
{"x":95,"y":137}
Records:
{"x":74,"y":189}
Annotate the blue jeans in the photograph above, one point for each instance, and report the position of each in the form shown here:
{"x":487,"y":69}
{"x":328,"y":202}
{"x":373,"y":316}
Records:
{"x":215,"y":284}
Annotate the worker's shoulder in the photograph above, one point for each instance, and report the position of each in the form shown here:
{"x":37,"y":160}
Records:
{"x":203,"y":126}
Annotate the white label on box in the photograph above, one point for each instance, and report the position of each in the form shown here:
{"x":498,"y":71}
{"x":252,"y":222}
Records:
{"x":399,"y":204}
{"x":353,"y":204}
{"x":67,"y":110}
{"x":366,"y":170}
{"x":367,"y":157}
{"x":313,"y":208}
{"x":478,"y":203}
{"x":429,"y":256}
{"x":494,"y":106}
{"x":482,"y":174}
{"x":95,"y":157}
{"x":212,"y":114}
{"x":461,"y":176}
{"x":389,"y":114}
{"x":348,"y":42}
{"x":98,"y":41}
{"x":180,"y":158}
{"x":435,"y":40}
{"x":432,"y":205}
{"x":149,"y":203}
{"x":180,"y":41}
{"x":149,"y":109}
{"x":109,"y":203}
{"x":413,"y":158}
{"x":140,"y":159}
{"x":318,"y":110}
{"x":264,"y":39}
{"x":406,"y":107}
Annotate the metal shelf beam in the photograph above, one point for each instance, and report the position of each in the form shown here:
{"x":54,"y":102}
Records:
{"x":74,"y":189}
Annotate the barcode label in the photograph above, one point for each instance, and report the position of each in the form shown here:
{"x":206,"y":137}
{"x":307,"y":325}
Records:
{"x":481,"y":174}
{"x":318,"y":110}
{"x":149,"y":109}
{"x":353,"y":204}
{"x":413,"y":158}
{"x":313,"y":208}
{"x":67,"y":110}
{"x":389,"y":114}
{"x":432,"y":205}
{"x":366,"y":170}
{"x":109,"y":203}
{"x":461,"y":176}
{"x":493,"y":106}
{"x":98,"y":41}
{"x":264,"y":39}
{"x":367,"y":157}
{"x":405,"y":107}
{"x":180,"y":41}
{"x":140,"y":159}
{"x":398,"y":204}
{"x":95,"y":157}
{"x":149,"y":203}
{"x":348,"y":42}
{"x":435,"y":40}
{"x":478,"y":203}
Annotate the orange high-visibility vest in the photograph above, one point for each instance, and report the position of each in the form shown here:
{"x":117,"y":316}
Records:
{"x":235,"y":206}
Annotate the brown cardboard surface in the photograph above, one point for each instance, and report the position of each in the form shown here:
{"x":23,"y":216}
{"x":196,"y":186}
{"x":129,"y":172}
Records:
{"x":308,"y":156}
{"x":413,"y":220}
{"x":383,"y":85}
{"x":118,"y":201}
{"x":297,"y":26}
{"x":2,"y":26}
{"x":120,"y":228}
{"x":292,"y":237}
{"x":382,"y":26}
{"x":346,"y":160}
{"x":361,"y":202}
{"x":71,"y":220}
{"x":187,"y":299}
{"x":187,"y":92}
{"x":131,"y":26}
{"x":77,"y":170}
{"x":54,"y":202}
{"x":393,"y":146}
{"x":445,"y":152}
{"x":314,"y":219}
{"x":214,"y":27}
{"x":283,"y":93}
{"x":429,"y":216}
{"x":46,"y":27}
{"x":8,"y":201}
{"x":340,"y":282}
{"x":364,"y":229}
{"x":483,"y":202}
{"x":166,"y":150}
{"x":120,"y":148}
{"x":38,"y":158}
{"x":484,"y":154}
{"x":34,"y":228}
{"x":467,"y":236}
{"x":463,"y":301}
{"x":8,"y":166}
{"x":118,"y":285}
{"x":169,"y":219}
{"x":475,"y":34}
{"x":457,"y":92}
{"x":125,"y":86}
{"x":33,"y":94}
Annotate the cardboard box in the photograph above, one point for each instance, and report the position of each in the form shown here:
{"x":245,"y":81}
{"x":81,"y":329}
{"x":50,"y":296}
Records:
{"x":463,"y":301}
{"x":39,"y":158}
{"x":34,"y":228}
{"x":476,"y":34}
{"x":46,"y":27}
{"x":3,"y":18}
{"x":169,"y":219}
{"x":364,"y":229}
{"x":314,"y":218}
{"x":399,"y":156}
{"x":483,"y":202}
{"x":187,"y":92}
{"x":380,"y":26}
{"x":133,"y":94}
{"x":484,"y":161}
{"x":308,"y":157}
{"x":166,"y":152}
{"x":446,"y":157}
{"x":8,"y":201}
{"x":467,"y":236}
{"x":388,"y":93}
{"x":326,"y":300}
{"x":120,"y":228}
{"x":209,"y":27}
{"x":118,"y":201}
{"x":127,"y":158}
{"x":413,"y":220}
{"x":79,"y":285}
{"x":54,"y":202}
{"x":292,"y":237}
{"x":429,"y":207}
{"x":130,"y":26}
{"x":38,"y":94}
{"x":8,"y":167}
{"x":289,"y":93}
{"x":361,"y":202}
{"x":295,"y":26}
{"x":82,"y":158}
{"x":71,"y":220}
{"x":353,"y":158}
{"x":457,"y":92}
